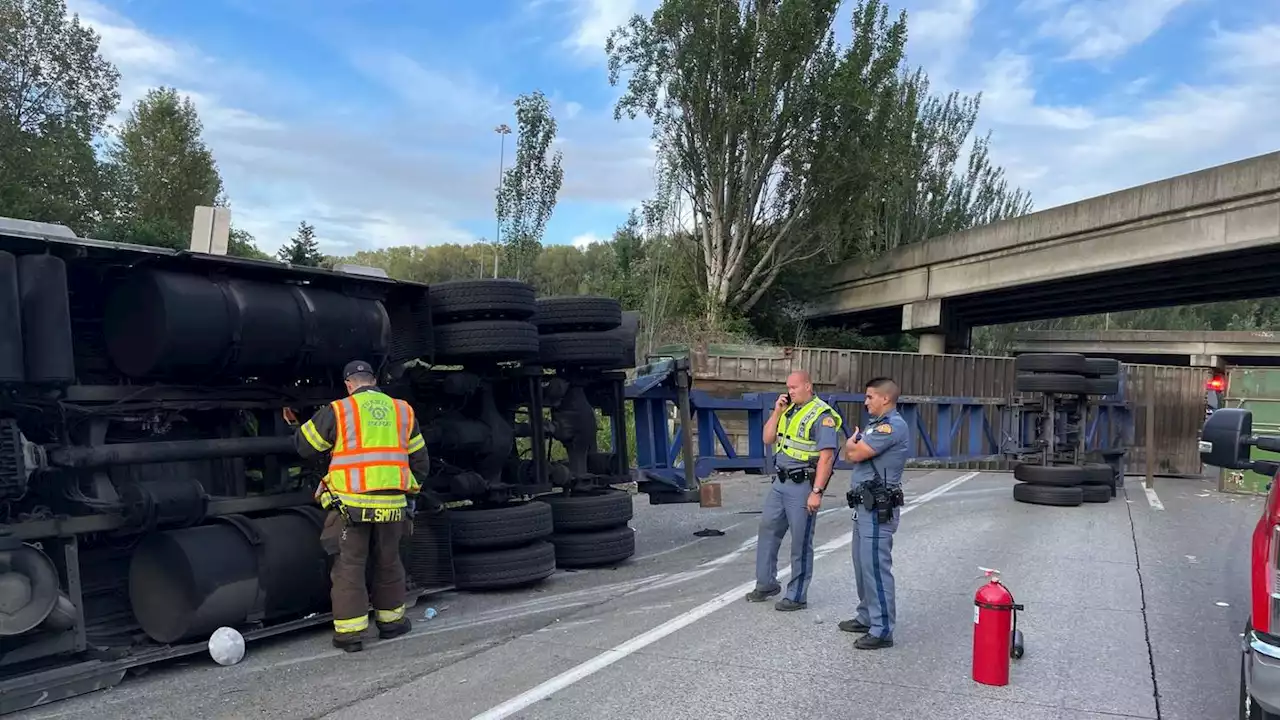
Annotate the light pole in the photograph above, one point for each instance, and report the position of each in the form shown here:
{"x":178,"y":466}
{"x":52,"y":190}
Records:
{"x":503,"y":130}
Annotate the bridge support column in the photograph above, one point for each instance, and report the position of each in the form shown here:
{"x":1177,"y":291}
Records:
{"x":938,"y":330}
{"x":1207,"y":361}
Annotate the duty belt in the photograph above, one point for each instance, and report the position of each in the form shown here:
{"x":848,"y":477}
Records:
{"x":796,"y":475}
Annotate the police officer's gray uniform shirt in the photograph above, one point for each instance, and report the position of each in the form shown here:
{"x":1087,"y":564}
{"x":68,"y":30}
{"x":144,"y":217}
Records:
{"x":890,"y":437}
{"x":785,"y":508}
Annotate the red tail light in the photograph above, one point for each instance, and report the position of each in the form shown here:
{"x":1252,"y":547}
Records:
{"x":1217,"y":383}
{"x":1265,"y":566}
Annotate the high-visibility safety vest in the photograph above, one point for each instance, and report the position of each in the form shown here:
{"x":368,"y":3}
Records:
{"x":370,"y":453}
{"x":796,"y":436}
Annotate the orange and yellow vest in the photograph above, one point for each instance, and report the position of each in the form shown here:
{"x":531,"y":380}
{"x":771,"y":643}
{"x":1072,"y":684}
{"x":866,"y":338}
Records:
{"x":370,"y":454}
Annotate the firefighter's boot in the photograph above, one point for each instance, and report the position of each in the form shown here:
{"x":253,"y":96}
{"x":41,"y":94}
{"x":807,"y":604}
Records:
{"x":386,"y":631}
{"x":349,"y":641}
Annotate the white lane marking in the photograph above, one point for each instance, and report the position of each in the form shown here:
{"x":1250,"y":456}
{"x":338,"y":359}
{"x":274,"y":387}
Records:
{"x":639,"y":642}
{"x":1152,"y":499}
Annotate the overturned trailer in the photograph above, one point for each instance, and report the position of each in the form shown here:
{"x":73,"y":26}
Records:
{"x":149,"y":490}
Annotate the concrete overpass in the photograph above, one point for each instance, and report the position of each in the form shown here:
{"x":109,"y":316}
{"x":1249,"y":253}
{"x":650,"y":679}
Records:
{"x":1165,"y":347}
{"x":1201,"y":237}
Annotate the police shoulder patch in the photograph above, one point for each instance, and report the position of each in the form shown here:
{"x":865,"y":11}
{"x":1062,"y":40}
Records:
{"x":828,"y":421}
{"x":884,"y":429}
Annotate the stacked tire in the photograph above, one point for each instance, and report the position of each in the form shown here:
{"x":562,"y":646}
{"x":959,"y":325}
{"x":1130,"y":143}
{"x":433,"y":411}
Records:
{"x":591,"y":528}
{"x":584,"y":332}
{"x":483,"y":322}
{"x":501,"y":546}
{"x":1066,"y":374}
{"x":1064,"y":485}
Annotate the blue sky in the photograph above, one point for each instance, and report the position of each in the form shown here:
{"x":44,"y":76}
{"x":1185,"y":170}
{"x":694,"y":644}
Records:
{"x":373,"y":119}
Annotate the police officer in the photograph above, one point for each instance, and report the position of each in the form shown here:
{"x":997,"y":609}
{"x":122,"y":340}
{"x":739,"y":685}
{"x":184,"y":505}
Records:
{"x":880,"y":455}
{"x":805,"y":428}
{"x":377,"y":457}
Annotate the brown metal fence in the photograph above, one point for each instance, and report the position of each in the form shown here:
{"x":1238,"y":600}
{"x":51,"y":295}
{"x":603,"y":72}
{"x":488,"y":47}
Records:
{"x":1177,"y":392}
{"x":1168,"y":412}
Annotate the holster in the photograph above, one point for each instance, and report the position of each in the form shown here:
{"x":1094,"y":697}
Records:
{"x":797,"y":475}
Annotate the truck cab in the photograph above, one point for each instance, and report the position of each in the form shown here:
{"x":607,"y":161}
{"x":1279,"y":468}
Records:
{"x":1228,"y":441}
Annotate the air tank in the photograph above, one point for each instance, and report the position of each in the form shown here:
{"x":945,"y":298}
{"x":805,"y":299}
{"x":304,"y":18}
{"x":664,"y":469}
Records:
{"x":11,"y":362}
{"x":163,"y":323}
{"x":46,"y":320}
{"x":184,"y":584}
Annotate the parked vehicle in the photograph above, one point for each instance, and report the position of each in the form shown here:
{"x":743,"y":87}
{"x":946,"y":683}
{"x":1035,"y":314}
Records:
{"x":1228,"y":441}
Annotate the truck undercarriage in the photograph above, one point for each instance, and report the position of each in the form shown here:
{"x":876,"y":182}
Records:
{"x":149,"y":489}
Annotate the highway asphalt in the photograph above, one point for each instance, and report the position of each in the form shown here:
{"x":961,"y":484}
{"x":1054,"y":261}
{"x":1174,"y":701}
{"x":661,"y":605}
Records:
{"x":1134,"y":608}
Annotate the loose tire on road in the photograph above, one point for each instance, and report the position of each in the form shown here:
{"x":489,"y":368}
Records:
{"x":584,"y":349}
{"x":1095,"y":493}
{"x":1106,"y":385}
{"x":1098,"y":367}
{"x":577,"y":312}
{"x":586,"y":512}
{"x":1048,"y":495}
{"x":1049,"y":475}
{"x":491,"y":340}
{"x":512,"y":567}
{"x":592,"y":549}
{"x":1051,"y":383}
{"x":499,"y":527}
{"x":459,"y":300}
{"x":1067,"y":363}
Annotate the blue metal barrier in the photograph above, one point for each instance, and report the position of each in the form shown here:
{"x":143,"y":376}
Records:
{"x":964,"y":429}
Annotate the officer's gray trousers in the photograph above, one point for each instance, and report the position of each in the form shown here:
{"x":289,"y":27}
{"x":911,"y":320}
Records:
{"x":784,"y":509}
{"x":873,"y":570}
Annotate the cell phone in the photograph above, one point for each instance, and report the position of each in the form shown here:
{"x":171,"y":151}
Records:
{"x":787,"y":397}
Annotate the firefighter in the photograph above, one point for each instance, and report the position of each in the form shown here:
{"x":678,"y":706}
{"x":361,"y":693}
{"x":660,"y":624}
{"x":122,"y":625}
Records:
{"x":880,"y":457}
{"x":805,"y":427}
{"x":377,"y":462}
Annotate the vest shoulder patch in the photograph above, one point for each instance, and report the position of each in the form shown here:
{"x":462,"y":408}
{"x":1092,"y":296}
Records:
{"x":828,"y":421}
{"x":884,"y":429}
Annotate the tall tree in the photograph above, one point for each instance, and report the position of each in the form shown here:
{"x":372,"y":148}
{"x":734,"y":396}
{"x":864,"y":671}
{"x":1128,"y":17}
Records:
{"x":56,"y":92}
{"x":529,"y":187}
{"x":302,"y":248}
{"x":781,"y":140}
{"x":164,"y":167}
{"x":243,"y":244}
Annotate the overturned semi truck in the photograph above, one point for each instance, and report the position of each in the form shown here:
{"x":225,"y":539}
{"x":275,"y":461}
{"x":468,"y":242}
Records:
{"x":149,"y":490}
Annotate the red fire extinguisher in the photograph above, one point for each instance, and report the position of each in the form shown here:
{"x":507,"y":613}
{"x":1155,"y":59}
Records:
{"x":996,"y":637}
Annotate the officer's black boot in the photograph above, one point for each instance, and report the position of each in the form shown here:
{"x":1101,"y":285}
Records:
{"x":759,"y":595}
{"x":854,"y":626}
{"x":386,"y":631}
{"x":787,"y":605}
{"x":871,"y":642}
{"x":349,"y":641}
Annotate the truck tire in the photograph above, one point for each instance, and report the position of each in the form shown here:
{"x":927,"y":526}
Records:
{"x":1067,"y":363}
{"x":1095,"y":493}
{"x":499,"y":527}
{"x":1049,"y":475}
{"x":577,"y":312}
{"x":1048,"y":495}
{"x":1098,"y":367}
{"x":512,"y":567}
{"x":500,"y":299}
{"x":587,"y":512}
{"x":1098,"y":474}
{"x":480,"y":340}
{"x":1051,"y":383}
{"x":592,"y":549}
{"x":1105,"y":385}
{"x":584,"y":349}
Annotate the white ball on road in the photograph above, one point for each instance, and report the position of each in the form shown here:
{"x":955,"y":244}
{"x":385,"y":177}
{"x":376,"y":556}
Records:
{"x":226,"y":645}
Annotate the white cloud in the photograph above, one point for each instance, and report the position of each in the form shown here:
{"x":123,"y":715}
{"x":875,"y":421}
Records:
{"x":1064,"y":153}
{"x":1102,"y":29}
{"x":593,"y":20}
{"x":582,"y":242}
{"x":412,"y":170}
